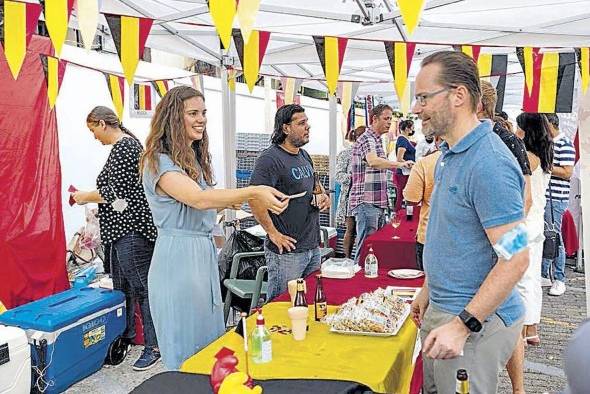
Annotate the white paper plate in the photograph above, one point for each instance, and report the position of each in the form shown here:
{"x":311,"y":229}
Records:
{"x":405,"y":274}
{"x":396,"y":328}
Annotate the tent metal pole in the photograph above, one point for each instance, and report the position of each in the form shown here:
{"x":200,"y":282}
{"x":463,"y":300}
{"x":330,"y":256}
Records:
{"x":228,"y":101}
{"x":333,"y":152}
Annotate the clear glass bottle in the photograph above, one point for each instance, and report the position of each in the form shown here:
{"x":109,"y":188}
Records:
{"x":371,"y":264}
{"x":261,"y":343}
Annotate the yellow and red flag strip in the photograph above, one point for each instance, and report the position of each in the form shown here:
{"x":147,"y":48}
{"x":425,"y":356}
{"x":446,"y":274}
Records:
{"x":331,"y":53}
{"x":584,"y":63}
{"x":223,"y":13}
{"x":290,"y":87}
{"x":251,"y":54}
{"x":493,"y":68}
{"x":411,"y":10}
{"x":247,"y":10}
{"x":20,"y":21}
{"x":400,"y":55}
{"x":472,"y":51}
{"x":143,"y":97}
{"x":129,"y":34}
{"x":54,"y":70}
{"x":57,"y":15}
{"x":162,"y":86}
{"x":116,"y":86}
{"x":552,"y":82}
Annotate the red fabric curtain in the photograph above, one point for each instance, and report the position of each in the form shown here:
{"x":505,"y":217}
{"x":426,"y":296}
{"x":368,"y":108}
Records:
{"x":32,"y":239}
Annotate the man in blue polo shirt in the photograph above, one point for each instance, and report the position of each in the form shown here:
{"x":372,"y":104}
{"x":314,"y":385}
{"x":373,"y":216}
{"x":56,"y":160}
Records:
{"x":469,"y":312}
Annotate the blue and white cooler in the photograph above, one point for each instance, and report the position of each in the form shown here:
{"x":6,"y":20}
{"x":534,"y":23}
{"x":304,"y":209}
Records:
{"x":71,"y":334}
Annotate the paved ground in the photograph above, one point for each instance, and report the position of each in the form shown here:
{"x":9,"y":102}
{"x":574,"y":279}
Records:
{"x":543,"y":374}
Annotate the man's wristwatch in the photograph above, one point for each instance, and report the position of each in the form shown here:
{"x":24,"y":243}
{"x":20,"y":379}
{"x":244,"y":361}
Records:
{"x":470,"y":321}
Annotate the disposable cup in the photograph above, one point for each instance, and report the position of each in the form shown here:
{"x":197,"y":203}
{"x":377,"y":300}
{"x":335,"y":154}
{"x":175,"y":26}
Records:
{"x":298,"y":316}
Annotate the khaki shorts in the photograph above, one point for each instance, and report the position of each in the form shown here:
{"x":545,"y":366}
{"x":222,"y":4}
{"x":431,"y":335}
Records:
{"x":485,"y":354}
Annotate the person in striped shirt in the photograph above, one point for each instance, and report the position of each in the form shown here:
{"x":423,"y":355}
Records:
{"x":558,"y":191}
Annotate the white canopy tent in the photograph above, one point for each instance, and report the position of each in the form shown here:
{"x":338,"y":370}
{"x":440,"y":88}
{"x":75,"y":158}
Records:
{"x":185,"y":27}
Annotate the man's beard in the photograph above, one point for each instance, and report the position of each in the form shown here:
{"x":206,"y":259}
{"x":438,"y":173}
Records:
{"x":298,"y":142}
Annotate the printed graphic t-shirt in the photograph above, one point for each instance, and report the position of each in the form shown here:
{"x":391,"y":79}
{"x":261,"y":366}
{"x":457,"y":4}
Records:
{"x":290,"y":174}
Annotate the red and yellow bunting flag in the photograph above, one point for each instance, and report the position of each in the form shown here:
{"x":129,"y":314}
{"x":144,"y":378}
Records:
{"x":411,"y":10}
{"x":584,"y":63}
{"x":553,"y":76}
{"x":20,"y":21}
{"x":472,"y":51}
{"x":223,"y":13}
{"x":116,"y":86}
{"x":493,"y":68}
{"x":331,"y":53}
{"x":57,"y":16}
{"x":142,"y":97}
{"x":162,"y":86}
{"x":54,"y":70}
{"x":290,"y":87}
{"x":400,"y":55}
{"x":251,"y":54}
{"x":129,"y":34}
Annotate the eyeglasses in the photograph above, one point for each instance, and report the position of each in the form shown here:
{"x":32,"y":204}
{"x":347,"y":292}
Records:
{"x":422,"y":98}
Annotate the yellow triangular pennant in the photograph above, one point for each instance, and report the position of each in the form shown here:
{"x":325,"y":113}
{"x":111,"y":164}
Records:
{"x":410,"y":10}
{"x":87,"y":14}
{"x":247,"y":10}
{"x":223,"y":13}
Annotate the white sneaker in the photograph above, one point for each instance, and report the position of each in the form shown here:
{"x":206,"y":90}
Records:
{"x":546,"y":282}
{"x":557,"y":289}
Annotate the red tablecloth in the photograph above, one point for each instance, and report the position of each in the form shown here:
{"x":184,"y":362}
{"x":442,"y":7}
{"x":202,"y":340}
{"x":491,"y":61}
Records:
{"x":394,"y":253}
{"x":339,"y":291}
{"x":569,"y":233}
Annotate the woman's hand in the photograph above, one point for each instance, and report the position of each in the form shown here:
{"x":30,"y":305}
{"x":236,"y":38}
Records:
{"x":79,"y":197}
{"x":271,"y":199}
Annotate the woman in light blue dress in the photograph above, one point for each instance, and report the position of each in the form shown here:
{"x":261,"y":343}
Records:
{"x":184,"y":293}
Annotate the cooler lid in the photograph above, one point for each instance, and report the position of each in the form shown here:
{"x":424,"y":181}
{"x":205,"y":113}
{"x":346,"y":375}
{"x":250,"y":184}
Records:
{"x":59,"y":310}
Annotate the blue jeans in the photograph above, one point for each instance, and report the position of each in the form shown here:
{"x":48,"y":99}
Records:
{"x":558,"y":263}
{"x":130,"y":257}
{"x":369,"y":218}
{"x":288,"y":266}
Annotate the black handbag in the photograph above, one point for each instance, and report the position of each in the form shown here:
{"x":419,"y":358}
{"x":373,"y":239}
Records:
{"x":552,"y":239}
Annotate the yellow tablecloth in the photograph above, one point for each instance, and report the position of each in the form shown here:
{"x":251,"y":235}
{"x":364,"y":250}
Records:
{"x":382,"y":363}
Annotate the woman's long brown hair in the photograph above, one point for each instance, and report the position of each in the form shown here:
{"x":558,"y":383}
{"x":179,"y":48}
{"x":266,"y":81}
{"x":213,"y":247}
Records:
{"x":168,"y":136}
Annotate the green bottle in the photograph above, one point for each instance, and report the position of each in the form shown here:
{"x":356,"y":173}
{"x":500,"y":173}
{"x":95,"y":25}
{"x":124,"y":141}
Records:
{"x":261,"y":342}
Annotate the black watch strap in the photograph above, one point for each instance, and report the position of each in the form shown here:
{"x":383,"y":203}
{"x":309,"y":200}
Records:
{"x":470,"y":321}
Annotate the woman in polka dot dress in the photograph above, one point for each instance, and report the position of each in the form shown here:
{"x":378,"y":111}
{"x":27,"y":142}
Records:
{"x":185,"y":296}
{"x":125,"y":223}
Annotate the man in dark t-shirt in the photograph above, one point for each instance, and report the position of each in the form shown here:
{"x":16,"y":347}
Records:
{"x":293,"y":237}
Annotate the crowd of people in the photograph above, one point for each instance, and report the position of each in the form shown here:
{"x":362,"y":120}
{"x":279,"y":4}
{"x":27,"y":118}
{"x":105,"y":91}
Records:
{"x":475,"y":179}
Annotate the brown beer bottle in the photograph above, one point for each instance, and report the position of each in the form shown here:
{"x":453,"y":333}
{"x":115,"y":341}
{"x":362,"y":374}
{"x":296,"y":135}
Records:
{"x":321,"y":305}
{"x":300,"y":296}
{"x":462,"y":386}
